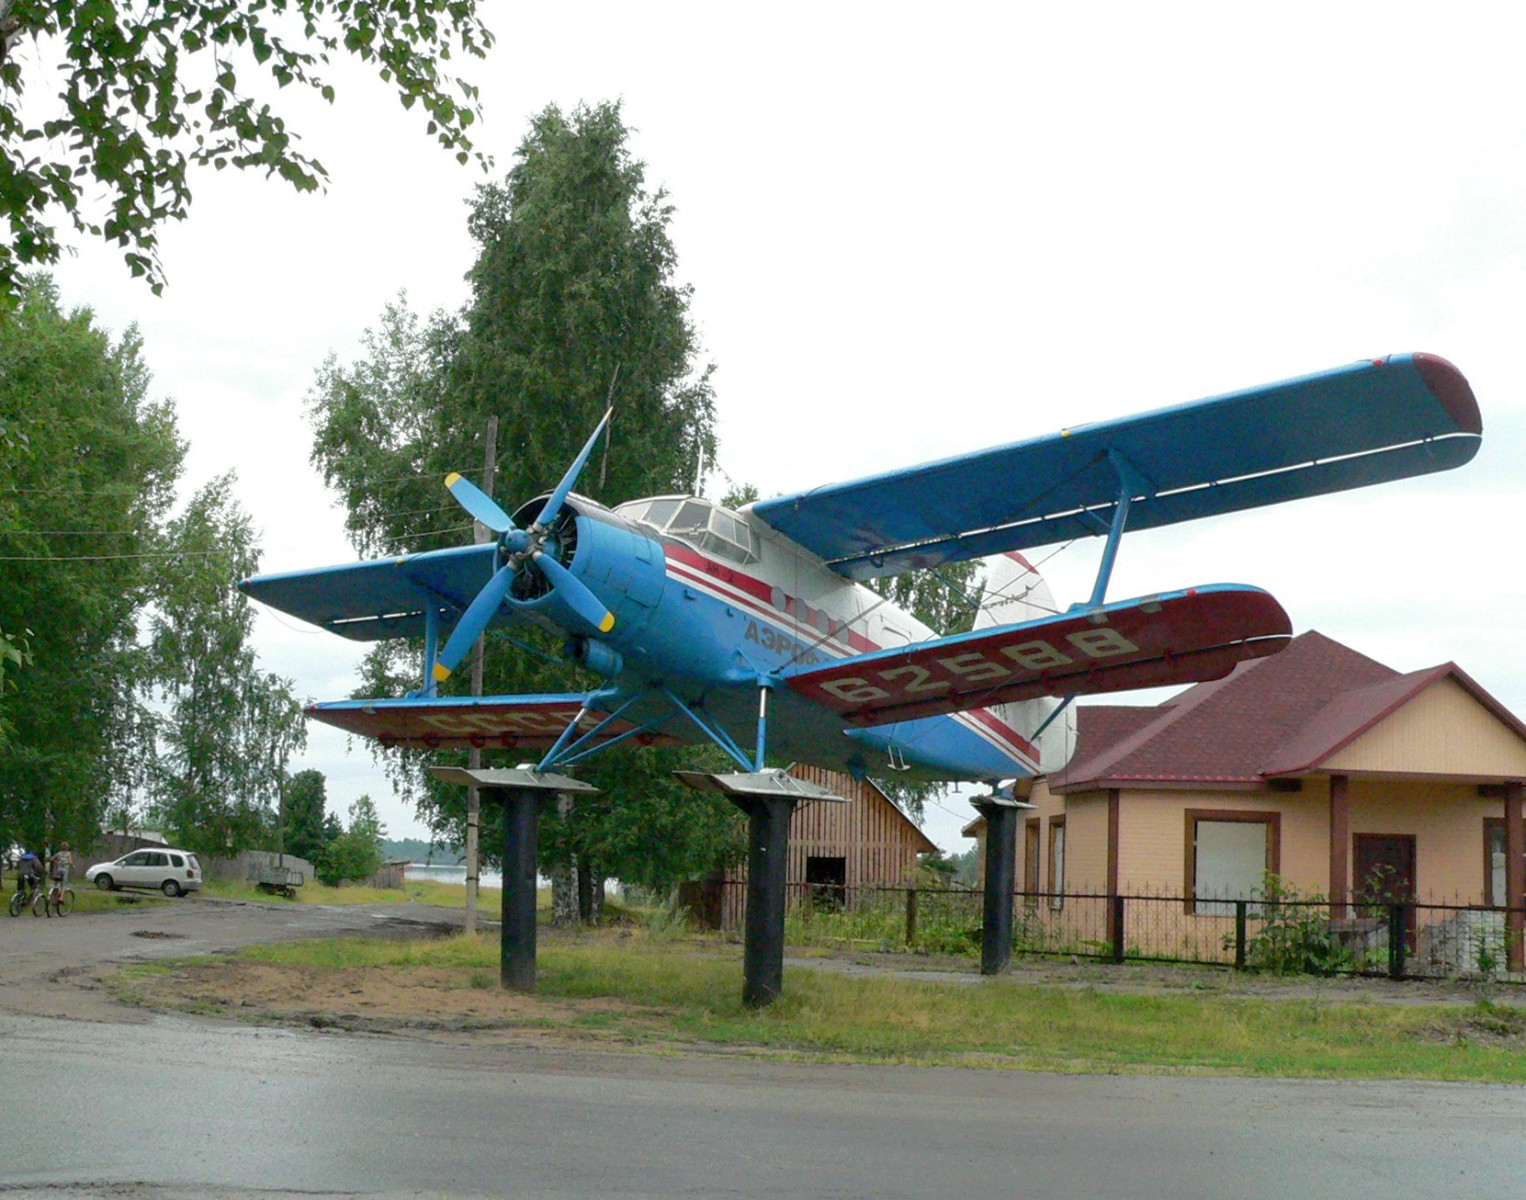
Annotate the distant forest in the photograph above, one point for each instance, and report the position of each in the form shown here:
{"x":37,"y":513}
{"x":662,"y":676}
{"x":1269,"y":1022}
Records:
{"x":421,"y":852}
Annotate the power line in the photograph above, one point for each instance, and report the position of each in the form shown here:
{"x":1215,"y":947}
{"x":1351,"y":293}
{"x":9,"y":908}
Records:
{"x":81,"y":558}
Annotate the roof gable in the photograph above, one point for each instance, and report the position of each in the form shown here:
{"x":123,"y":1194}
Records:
{"x":1405,"y":726}
{"x":1228,"y":729}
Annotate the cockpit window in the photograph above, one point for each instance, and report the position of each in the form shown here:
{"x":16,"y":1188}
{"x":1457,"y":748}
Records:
{"x":699,"y":523}
{"x":693,"y":516}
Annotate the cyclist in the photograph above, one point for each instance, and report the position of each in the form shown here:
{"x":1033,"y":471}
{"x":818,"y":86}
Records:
{"x":59,"y":867}
{"x":29,"y":873}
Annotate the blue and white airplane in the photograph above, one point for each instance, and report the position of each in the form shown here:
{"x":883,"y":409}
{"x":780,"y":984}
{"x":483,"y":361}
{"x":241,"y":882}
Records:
{"x":751,"y":629}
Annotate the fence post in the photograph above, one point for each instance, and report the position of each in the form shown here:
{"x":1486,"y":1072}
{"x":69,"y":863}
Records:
{"x":1241,"y":908}
{"x":1396,"y":938}
{"x":911,"y":914}
{"x":1117,"y":904}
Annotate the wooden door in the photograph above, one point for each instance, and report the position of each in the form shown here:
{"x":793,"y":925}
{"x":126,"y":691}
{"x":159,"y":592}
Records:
{"x":1385,"y":874}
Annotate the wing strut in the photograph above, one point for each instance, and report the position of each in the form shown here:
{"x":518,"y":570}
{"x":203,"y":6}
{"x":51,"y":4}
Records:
{"x":431,"y":650}
{"x":713,"y":731}
{"x":1130,"y":484}
{"x":563,"y":755}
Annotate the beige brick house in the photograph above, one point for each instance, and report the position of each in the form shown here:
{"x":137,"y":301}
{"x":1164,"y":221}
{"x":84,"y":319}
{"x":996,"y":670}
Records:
{"x":1319,"y":764}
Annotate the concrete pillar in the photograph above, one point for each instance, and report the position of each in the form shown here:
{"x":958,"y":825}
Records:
{"x":768,"y":819}
{"x":1000,"y":883}
{"x":521,"y":843}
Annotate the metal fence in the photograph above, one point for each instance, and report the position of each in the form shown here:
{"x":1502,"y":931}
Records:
{"x":1400,"y":939}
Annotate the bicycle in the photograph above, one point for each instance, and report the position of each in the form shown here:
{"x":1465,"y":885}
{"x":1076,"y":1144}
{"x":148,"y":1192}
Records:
{"x":21,"y":898}
{"x":57,"y":899}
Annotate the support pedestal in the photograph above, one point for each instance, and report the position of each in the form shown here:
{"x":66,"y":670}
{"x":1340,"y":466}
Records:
{"x":521,"y":792}
{"x":768,"y":798}
{"x":1000,"y":882}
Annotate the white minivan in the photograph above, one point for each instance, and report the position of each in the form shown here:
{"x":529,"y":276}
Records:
{"x":170,"y":871}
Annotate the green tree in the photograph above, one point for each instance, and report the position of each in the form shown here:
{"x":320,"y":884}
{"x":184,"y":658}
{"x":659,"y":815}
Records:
{"x":13,"y":655}
{"x":228,"y":729}
{"x":13,"y":646}
{"x":945,"y":600}
{"x":80,"y":517}
{"x":303,"y":801}
{"x":573,"y":301}
{"x":149,"y":91}
{"x":356,"y":853}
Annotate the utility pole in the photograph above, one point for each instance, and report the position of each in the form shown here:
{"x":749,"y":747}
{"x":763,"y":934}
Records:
{"x":474,"y":756}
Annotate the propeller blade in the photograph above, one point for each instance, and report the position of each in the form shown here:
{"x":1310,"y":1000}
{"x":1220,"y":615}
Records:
{"x":554,"y":504}
{"x":478,"y":503}
{"x":473,"y":621}
{"x":576,"y":593}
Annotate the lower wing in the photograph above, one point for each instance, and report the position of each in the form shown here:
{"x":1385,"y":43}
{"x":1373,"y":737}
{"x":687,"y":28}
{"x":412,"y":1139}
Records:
{"x":487,"y":722}
{"x":1175,"y":637}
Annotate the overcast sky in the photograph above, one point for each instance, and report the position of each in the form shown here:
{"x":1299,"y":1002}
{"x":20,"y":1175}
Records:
{"x":912,"y":235}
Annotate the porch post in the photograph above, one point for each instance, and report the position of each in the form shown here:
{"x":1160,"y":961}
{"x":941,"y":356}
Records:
{"x":1114,"y":909}
{"x":1340,"y":845}
{"x":1515,"y":879}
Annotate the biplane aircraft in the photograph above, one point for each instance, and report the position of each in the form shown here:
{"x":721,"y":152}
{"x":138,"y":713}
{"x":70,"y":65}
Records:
{"x":754,"y":630}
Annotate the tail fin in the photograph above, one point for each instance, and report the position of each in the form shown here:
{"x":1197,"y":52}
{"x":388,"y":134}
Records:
{"x":1015,"y":592}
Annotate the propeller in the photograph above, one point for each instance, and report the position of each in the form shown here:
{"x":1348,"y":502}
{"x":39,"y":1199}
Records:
{"x":516,"y":547}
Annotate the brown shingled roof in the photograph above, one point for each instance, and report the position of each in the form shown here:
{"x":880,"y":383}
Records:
{"x":1349,"y":715}
{"x":1225,"y":731}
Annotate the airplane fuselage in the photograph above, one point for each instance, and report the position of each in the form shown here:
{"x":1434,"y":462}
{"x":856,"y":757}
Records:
{"x":714,"y":612}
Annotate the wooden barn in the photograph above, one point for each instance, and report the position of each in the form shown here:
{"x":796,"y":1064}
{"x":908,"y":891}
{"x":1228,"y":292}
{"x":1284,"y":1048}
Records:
{"x":834,"y":850}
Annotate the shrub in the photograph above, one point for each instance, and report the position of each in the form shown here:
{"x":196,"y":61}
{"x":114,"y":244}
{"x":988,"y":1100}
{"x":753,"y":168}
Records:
{"x":1295,"y":937}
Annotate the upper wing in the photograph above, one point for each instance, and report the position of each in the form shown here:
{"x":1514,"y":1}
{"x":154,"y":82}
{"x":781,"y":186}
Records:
{"x":1367,"y":423}
{"x":1176,"y":637}
{"x":508,"y":722}
{"x":383,"y":598}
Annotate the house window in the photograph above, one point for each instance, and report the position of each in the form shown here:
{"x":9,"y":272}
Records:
{"x":1494,"y":862}
{"x":1057,"y":862}
{"x":1228,"y":857}
{"x":1031,"y":841}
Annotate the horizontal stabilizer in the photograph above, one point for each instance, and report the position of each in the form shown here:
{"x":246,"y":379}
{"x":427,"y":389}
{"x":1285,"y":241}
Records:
{"x":1173,"y":638}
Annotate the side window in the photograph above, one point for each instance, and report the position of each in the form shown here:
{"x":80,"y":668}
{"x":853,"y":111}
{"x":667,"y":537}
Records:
{"x":1031,"y":856}
{"x":1057,"y":862}
{"x":176,"y":861}
{"x":158,"y":858}
{"x":1494,"y":858}
{"x":138,"y":858}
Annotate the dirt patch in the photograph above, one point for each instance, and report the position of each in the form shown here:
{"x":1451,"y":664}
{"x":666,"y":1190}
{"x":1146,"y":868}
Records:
{"x":419,"y":1000}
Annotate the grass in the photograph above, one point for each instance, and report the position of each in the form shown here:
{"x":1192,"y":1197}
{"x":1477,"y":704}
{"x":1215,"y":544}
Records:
{"x":447,"y":895}
{"x":672,"y":996}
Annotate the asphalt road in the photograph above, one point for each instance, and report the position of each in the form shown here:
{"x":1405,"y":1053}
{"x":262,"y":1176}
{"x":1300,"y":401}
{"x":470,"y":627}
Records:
{"x":163,"y":1107}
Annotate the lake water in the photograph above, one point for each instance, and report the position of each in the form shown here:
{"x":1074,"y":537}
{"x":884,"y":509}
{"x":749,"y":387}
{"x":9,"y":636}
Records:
{"x":436,"y":873}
